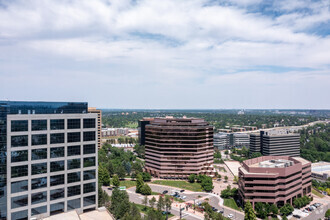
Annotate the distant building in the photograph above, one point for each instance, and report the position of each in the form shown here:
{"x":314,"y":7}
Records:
{"x":321,"y":171}
{"x":255,"y":146}
{"x":250,"y":128}
{"x":222,"y":141}
{"x":178,"y":147}
{"x":274,"y":179}
{"x":240,"y":140}
{"x":110,"y":132}
{"x":99,"y":123}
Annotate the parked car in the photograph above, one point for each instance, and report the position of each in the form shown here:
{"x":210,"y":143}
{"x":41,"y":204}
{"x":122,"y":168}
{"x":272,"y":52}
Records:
{"x":306,"y":211}
{"x":220,"y":211}
{"x":109,"y":188}
{"x":183,"y":197}
{"x":164,"y":212}
{"x":297,"y":216}
{"x":165,"y":191}
{"x":230,"y":216}
{"x":214,"y":209}
{"x":182,"y":190}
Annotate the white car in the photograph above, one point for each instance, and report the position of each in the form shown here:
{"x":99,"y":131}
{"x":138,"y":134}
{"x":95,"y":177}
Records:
{"x":230,"y":216}
{"x":183,"y":197}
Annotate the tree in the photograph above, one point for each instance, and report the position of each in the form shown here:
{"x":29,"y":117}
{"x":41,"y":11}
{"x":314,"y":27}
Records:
{"x":104,"y":177}
{"x":273,"y":209}
{"x":191,"y":178}
{"x":207,"y":184}
{"x":121,"y":172}
{"x":261,"y":210}
{"x":287,"y":209}
{"x":249,"y":212}
{"x":104,"y":198}
{"x":160,"y":204}
{"x":152,"y":202}
{"x":226,"y":152}
{"x":235,"y":179}
{"x":136,"y":169}
{"x":110,"y":168}
{"x":327,"y":214}
{"x":119,"y":203}
{"x":146,"y":176}
{"x":115,"y":181}
{"x":168,"y":203}
{"x":139,"y":183}
{"x":145,"y":202}
{"x":128,"y":167}
{"x":135,"y":213}
{"x":145,"y":190}
{"x":255,"y":155}
{"x":226,"y":178}
{"x":284,"y":218}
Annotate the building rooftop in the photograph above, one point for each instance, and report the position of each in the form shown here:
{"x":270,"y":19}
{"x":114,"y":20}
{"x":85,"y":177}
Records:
{"x":274,"y":163}
{"x":100,"y":214}
{"x":321,"y":167}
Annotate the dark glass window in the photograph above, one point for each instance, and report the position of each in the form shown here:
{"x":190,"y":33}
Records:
{"x":73,"y":123}
{"x":89,"y":123}
{"x":89,"y":174}
{"x":57,"y":166}
{"x":56,"y":152}
{"x":19,"y":171}
{"x":73,"y":164}
{"x":73,"y":190}
{"x":39,"y":139}
{"x":19,"y":186}
{"x":20,"y":215}
{"x":89,"y":200}
{"x":57,"y":180}
{"x":73,"y":177}
{"x":74,"y":204}
{"x":73,"y":150}
{"x":89,"y":161}
{"x":56,"y":208}
{"x":39,"y":210}
{"x":19,"y":141}
{"x":39,"y":154}
{"x":89,"y":149}
{"x":56,"y":194}
{"x":38,"y":168}
{"x":39,"y":183}
{"x":74,"y":137}
{"x":19,"y":201}
{"x":19,"y":156}
{"x":89,"y":136}
{"x":19,"y":125}
{"x":38,"y":197}
{"x":57,"y":138}
{"x":39,"y":125}
{"x":57,"y":124}
{"x":89,"y":187}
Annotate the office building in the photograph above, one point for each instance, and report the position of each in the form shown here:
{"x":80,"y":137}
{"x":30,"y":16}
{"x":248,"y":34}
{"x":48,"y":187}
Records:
{"x":240,"y":140}
{"x":255,"y":145}
{"x":99,"y":124}
{"x":142,"y":129}
{"x":221,"y":141}
{"x":274,"y":179}
{"x":48,"y":159}
{"x":224,"y":141}
{"x":321,"y":171}
{"x":178,"y":147}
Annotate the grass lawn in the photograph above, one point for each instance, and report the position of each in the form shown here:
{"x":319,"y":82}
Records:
{"x":141,"y":208}
{"x":196,"y":187}
{"x":155,"y":193}
{"x":128,"y":183}
{"x":231,"y":204}
{"x":315,"y":192}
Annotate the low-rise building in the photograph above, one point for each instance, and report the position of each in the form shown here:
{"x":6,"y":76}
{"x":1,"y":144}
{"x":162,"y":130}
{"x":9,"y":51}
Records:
{"x":321,"y":171}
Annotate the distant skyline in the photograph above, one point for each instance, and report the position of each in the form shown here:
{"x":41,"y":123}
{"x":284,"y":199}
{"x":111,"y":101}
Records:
{"x":198,"y":54}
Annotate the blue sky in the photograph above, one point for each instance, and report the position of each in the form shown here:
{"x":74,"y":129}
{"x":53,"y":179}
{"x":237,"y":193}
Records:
{"x":167,"y":54}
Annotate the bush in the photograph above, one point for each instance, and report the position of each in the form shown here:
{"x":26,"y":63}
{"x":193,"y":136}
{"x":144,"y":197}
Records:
{"x":191,"y":178}
{"x":146,"y":190}
{"x":229,"y":192}
{"x":327,"y":214}
{"x":286,"y":210}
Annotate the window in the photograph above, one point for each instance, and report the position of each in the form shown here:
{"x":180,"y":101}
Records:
{"x":39,"y":125}
{"x":19,"y":186}
{"x":56,"y":208}
{"x":57,"y":138}
{"x":38,"y":197}
{"x":73,"y":150}
{"x":89,"y":149}
{"x":89,"y":161}
{"x":89,"y":136}
{"x":19,"y":141}
{"x":19,"y":125}
{"x":74,"y":137}
{"x":56,"y":194}
{"x":39,"y":183}
{"x":73,"y":190}
{"x":19,"y":156}
{"x":57,"y":124}
{"x":39,"y":210}
{"x":39,"y":154}
{"x":89,"y":187}
{"x":56,"y":152}
{"x":19,"y":201}
{"x":57,"y":166}
{"x":89,"y":174}
{"x":74,"y":204}
{"x":73,"y":123}
{"x":20,"y":215}
{"x":39,"y":139}
{"x":89,"y":122}
{"x":89,"y":200}
{"x":73,"y":164}
{"x":19,"y":171}
{"x":38,"y":168}
{"x":73,"y":177}
{"x":57,"y":180}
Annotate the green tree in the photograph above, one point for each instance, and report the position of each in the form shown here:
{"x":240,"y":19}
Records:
{"x":249,"y":212}
{"x":135,"y":212}
{"x":226,"y":178}
{"x":255,"y":155}
{"x":261,"y":210}
{"x":273,"y":209}
{"x":145,"y":190}
{"x":191,"y":178}
{"x":160,"y":204}
{"x":115,"y":181}
{"x":152,"y":202}
{"x":104,"y":198}
{"x":168,"y":203}
{"x":139,"y":183}
{"x":146,"y":176}
{"x":145,"y":202}
{"x":119,"y":203}
{"x":110,"y":168}
{"x":104,"y":177}
{"x":121,"y":172}
{"x":207,"y":184}
{"x":327,"y":214}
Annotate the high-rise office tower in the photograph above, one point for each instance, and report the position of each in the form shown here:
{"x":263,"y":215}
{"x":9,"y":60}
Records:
{"x":255,"y":145}
{"x":99,"y":123}
{"x":48,"y":153}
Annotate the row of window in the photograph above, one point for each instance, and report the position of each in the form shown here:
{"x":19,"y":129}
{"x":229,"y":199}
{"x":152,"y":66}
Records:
{"x":54,"y":208}
{"x":40,"y":168}
{"x":40,"y":154}
{"x":58,"y":138}
{"x":55,"y":124}
{"x":37,"y":183}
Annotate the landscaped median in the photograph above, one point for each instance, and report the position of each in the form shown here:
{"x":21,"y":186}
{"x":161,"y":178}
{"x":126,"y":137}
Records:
{"x":196,"y":187}
{"x":231,"y":204}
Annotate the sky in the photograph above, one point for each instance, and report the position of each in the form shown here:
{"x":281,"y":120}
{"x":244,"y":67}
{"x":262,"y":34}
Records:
{"x":167,"y":54}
